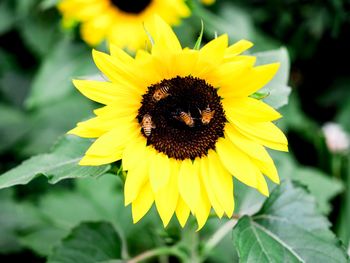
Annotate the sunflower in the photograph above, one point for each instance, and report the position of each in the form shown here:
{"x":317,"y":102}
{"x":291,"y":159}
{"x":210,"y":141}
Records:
{"x":119,"y":21}
{"x":182,"y":122}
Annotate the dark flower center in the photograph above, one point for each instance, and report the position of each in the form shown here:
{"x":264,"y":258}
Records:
{"x":129,"y":6}
{"x":182,"y":117}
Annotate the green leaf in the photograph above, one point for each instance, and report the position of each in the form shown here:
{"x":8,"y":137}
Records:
{"x":51,"y":121}
{"x":61,"y":164}
{"x":15,"y":85}
{"x":7,"y":15}
{"x":54,"y":80}
{"x":42,"y":239}
{"x":46,"y":4}
{"x":91,"y":200}
{"x":343,"y":115}
{"x":277,"y":88}
{"x":40,"y":33}
{"x":25,"y":8}
{"x":88,"y":242}
{"x":13,"y":126}
{"x":288,"y":228}
{"x":323,"y":187}
{"x":199,"y":39}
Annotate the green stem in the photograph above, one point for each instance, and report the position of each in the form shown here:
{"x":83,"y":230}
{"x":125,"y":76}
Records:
{"x":336,"y":163}
{"x":174,"y":251}
{"x":216,"y":238}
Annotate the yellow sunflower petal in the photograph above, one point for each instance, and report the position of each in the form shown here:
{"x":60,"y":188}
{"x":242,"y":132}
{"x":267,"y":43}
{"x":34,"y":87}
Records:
{"x":120,"y":54}
{"x":78,"y":10}
{"x":211,"y":55}
{"x":257,"y":152}
{"x":254,"y":80}
{"x":206,"y":179}
{"x":126,"y":112}
{"x":115,"y":70}
{"x":189,"y":183}
{"x":228,"y":73}
{"x":167,"y":197}
{"x":96,"y":127}
{"x":222,"y":183}
{"x":86,"y":131}
{"x":249,"y":109}
{"x":93,"y":26}
{"x":106,"y":92}
{"x":184,"y":63}
{"x":203,"y":209}
{"x":136,"y":178}
{"x":93,"y":160}
{"x":239,"y":165}
{"x":265,"y":133}
{"x":142,"y":203}
{"x":164,"y":37}
{"x":113,"y":140}
{"x":237,"y":48}
{"x":159,"y":170}
{"x":182,"y":211}
{"x":134,"y":151}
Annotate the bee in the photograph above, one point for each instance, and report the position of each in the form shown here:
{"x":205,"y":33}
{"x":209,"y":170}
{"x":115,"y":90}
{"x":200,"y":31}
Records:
{"x":161,"y":93}
{"x":207,"y":115}
{"x":147,"y":124}
{"x":186,"y":118}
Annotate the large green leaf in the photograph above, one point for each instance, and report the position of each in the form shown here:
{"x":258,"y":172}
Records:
{"x":323,"y":187}
{"x":61,"y":164}
{"x":54,"y":79}
{"x":288,"y":228}
{"x":89,"y":243}
{"x":92,"y":199}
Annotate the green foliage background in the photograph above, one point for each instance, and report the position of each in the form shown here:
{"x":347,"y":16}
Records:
{"x":47,"y":216}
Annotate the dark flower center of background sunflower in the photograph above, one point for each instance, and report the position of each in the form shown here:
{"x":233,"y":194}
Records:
{"x":171,"y":135}
{"x":129,"y":6}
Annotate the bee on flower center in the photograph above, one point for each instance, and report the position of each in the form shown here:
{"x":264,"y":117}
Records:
{"x":147,"y":124}
{"x":161,"y":93}
{"x":186,"y":118}
{"x":207,"y":115}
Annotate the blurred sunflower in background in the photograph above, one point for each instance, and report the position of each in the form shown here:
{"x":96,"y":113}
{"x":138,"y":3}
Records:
{"x":119,"y":21}
{"x":182,"y":122}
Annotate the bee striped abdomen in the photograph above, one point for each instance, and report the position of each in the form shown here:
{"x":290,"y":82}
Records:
{"x":207,"y":115}
{"x":186,"y":118}
{"x":161,"y":93}
{"x":147,"y":124}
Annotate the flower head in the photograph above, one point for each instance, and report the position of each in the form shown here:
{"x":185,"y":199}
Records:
{"x":119,"y":21}
{"x":337,"y":140}
{"x":182,"y":122}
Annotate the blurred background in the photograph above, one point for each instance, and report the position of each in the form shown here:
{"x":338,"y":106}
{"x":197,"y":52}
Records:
{"x":38,"y":104}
